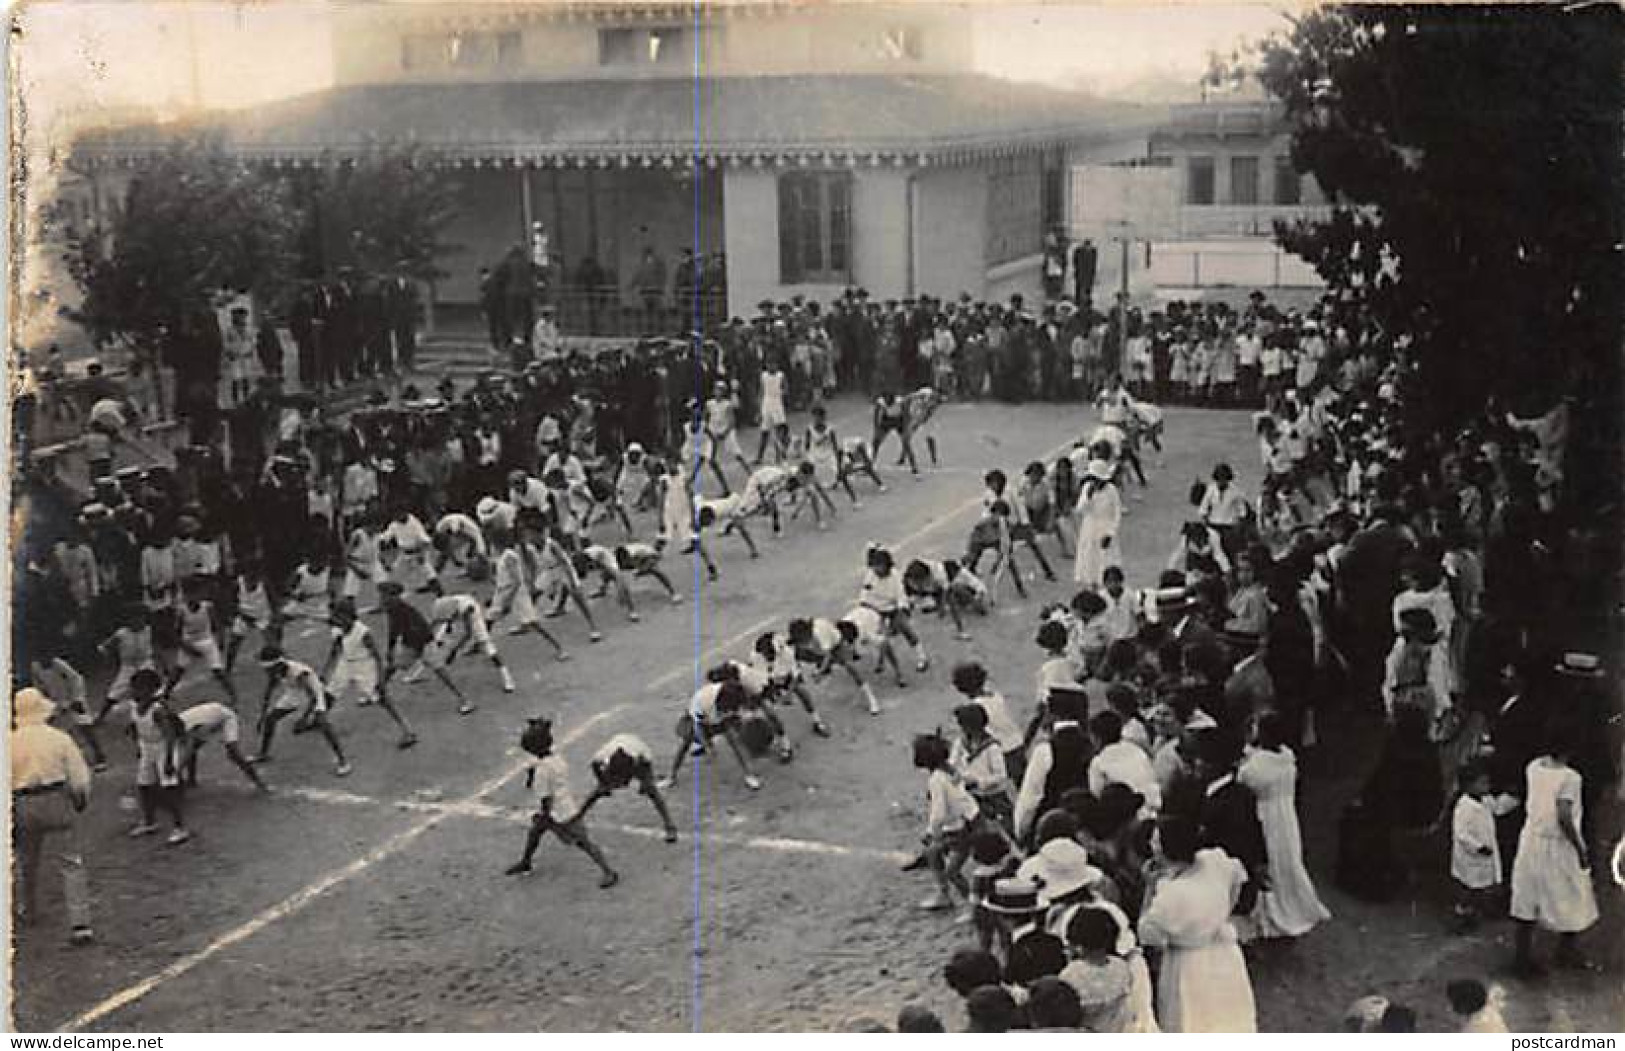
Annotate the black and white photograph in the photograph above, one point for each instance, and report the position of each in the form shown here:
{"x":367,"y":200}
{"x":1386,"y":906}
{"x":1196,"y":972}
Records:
{"x":816,"y":516}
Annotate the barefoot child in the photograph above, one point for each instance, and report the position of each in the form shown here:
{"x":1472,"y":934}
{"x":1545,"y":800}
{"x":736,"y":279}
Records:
{"x":883,"y":592}
{"x":131,"y":646}
{"x":891,"y":417}
{"x":776,"y":659}
{"x":294,"y":687}
{"x":158,"y":734}
{"x":353,"y":662}
{"x":556,"y":810}
{"x":824,"y":644}
{"x":458,"y":621}
{"x":510,"y":593}
{"x":636,"y":560}
{"x":822,"y":448}
{"x":919,"y":412}
{"x":713,"y":712}
{"x":198,"y":643}
{"x":858,"y":458}
{"x":409,"y":631}
{"x":253,"y":613}
{"x":204,"y":723}
{"x":622,"y":760}
{"x":677,"y":517}
{"x":947,"y":588}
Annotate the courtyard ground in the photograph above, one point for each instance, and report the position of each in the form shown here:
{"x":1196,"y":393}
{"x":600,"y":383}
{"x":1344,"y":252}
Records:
{"x":377,"y":902}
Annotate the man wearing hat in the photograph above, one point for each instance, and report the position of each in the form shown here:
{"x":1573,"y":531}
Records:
{"x":50,"y":787}
{"x":1250,"y":689}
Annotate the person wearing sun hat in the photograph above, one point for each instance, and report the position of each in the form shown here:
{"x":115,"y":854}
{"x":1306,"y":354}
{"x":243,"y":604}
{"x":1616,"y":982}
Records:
{"x":50,"y":788}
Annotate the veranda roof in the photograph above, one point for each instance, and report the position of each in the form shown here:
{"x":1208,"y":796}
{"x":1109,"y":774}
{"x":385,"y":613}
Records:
{"x":646,"y":122}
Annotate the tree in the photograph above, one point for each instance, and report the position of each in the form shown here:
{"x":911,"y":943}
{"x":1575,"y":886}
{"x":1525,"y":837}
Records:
{"x":383,"y":212}
{"x":1478,"y":152}
{"x":193,"y":224}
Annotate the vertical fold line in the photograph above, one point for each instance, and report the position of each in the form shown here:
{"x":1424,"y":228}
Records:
{"x":697,"y":359}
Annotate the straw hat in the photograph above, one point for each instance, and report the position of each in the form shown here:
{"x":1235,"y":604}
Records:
{"x":1013,"y":896}
{"x":1580,"y":666}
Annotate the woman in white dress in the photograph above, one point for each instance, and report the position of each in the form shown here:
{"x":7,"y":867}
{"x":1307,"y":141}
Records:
{"x":1203,"y":985}
{"x":1551,"y":874}
{"x":1290,"y":907}
{"x":1099,"y":513}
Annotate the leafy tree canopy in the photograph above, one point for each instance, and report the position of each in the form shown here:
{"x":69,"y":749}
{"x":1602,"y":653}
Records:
{"x":1480,"y":148}
{"x":196,"y":222}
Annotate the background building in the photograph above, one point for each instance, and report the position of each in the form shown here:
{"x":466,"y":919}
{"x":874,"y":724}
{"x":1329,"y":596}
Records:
{"x":816,"y":146}
{"x":1233,"y":155}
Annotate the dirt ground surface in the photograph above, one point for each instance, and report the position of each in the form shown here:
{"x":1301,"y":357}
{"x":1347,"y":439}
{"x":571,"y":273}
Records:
{"x":377,"y":902}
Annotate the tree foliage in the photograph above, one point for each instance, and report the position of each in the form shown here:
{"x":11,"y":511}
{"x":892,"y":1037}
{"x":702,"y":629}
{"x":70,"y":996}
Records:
{"x":1476,"y":156}
{"x":383,"y":212}
{"x":196,"y":222}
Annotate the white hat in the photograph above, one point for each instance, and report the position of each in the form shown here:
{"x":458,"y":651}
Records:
{"x":1059,"y":868}
{"x":1099,"y":469}
{"x":633,"y":447}
{"x":487,"y":507}
{"x":31,"y":707}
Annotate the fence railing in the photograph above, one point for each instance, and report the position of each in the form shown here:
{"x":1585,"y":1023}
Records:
{"x":1242,"y":220}
{"x":609,"y":311}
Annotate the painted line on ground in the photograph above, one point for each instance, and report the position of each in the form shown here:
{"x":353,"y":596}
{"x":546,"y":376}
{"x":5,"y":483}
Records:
{"x":521,"y":816}
{"x":297,"y":901}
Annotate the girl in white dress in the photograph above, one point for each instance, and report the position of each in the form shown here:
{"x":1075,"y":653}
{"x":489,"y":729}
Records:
{"x":1100,"y":513}
{"x":1203,"y":986}
{"x":1290,"y":908}
{"x":1551,"y":874}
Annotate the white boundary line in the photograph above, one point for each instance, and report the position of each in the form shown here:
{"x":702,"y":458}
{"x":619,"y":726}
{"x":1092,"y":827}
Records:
{"x":297,"y":901}
{"x":519,"y":816}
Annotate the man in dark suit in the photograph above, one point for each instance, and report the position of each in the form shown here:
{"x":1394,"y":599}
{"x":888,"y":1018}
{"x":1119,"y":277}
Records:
{"x":1180,"y":609}
{"x":403,"y":319}
{"x":1250,"y":688}
{"x":1084,"y":261}
{"x":1228,"y":812}
{"x":1368,"y":578}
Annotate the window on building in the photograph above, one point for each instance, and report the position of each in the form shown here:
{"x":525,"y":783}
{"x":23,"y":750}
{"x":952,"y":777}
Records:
{"x":1015,"y":209}
{"x":663,"y":46}
{"x":1244,"y":180}
{"x":1288,"y":184}
{"x":510,"y":50}
{"x":617,"y":47}
{"x":1199,"y":180}
{"x":670,"y":47}
{"x":902,"y":44}
{"x":815,"y":228}
{"x":422,"y":51}
{"x":473,"y":50}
